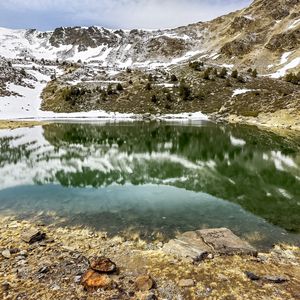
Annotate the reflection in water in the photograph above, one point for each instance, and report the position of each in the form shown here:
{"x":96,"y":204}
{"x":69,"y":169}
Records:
{"x":257,"y":170}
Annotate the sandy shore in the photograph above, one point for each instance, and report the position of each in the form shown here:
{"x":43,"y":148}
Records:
{"x":13,"y":124}
{"x":53,"y":267}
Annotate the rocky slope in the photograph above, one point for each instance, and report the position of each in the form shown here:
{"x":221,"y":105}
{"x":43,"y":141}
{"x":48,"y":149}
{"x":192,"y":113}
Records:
{"x":258,"y":36}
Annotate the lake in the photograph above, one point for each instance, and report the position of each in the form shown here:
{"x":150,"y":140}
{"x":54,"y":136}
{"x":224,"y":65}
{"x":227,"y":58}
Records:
{"x":154,"y":179}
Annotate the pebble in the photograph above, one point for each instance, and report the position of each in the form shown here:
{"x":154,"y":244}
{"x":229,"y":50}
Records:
{"x":186,"y":283}
{"x":144,"y":283}
{"x":6,"y":254}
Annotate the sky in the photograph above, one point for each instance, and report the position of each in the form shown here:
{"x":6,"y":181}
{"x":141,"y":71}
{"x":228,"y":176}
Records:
{"x":126,"y":14}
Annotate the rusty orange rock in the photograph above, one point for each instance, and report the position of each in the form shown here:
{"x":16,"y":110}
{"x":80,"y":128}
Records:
{"x":103,"y":265}
{"x":94,"y":280}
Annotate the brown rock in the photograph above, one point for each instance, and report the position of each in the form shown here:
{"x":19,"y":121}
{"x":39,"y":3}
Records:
{"x":32,"y":236}
{"x":103,"y":265}
{"x":144,"y":283}
{"x":94,"y":280}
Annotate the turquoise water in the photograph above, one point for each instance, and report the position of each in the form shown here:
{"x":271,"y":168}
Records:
{"x":155,"y":179}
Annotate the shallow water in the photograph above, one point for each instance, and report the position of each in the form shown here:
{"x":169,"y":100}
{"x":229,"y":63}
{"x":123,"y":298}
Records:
{"x":155,"y":179}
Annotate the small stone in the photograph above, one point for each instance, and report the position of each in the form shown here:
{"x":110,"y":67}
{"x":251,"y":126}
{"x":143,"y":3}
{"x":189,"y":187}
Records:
{"x":252,"y":276}
{"x":275,"y":279}
{"x":55,"y":287}
{"x":186,"y":283}
{"x":77,"y":279}
{"x":151,"y":297}
{"x":23,"y":253}
{"x":6,"y":254}
{"x":210,"y":256}
{"x":44,"y":270}
{"x":94,"y":280}
{"x":32,"y":236}
{"x":5,"y":286}
{"x":144,"y":283}
{"x":103,"y":265}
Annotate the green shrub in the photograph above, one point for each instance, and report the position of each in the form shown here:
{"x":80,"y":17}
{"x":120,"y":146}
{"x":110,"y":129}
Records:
{"x":206,"y":74}
{"x":254,"y":73}
{"x":154,"y":99}
{"x":174,"y":78}
{"x":109,"y":90}
{"x":148,"y":86}
{"x":184,"y":91}
{"x":223,"y":73}
{"x":119,"y":87}
{"x":234,"y":74}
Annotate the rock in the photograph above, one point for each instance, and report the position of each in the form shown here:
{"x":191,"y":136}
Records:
{"x":5,"y":286}
{"x":188,"y":244}
{"x":151,"y":297}
{"x":252,"y":276}
{"x":144,"y":283}
{"x":224,"y":241}
{"x":32,"y":236}
{"x":103,"y":265}
{"x":186,"y":283}
{"x":94,"y":280}
{"x":44,"y":270}
{"x":6,"y":254}
{"x":276,"y":279}
{"x":201,"y":244}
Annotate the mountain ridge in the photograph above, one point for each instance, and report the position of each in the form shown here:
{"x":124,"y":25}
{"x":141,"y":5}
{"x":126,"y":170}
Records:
{"x":258,"y":36}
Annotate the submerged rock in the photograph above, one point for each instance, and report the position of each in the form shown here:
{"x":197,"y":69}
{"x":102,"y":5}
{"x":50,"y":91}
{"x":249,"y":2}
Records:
{"x":103,"y":265}
{"x":32,"y":236}
{"x":200,"y":244}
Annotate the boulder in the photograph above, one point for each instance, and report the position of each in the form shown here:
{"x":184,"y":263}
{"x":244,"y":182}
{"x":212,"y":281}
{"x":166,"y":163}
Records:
{"x":188,"y":245}
{"x":200,"y":244}
{"x":224,"y":241}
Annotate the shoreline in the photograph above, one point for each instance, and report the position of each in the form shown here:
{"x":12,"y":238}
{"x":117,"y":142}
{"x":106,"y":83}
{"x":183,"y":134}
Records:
{"x":53,"y":268}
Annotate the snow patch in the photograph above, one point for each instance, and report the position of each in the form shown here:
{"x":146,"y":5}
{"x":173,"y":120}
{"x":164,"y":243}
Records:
{"x":281,"y":72}
{"x":241,"y":91}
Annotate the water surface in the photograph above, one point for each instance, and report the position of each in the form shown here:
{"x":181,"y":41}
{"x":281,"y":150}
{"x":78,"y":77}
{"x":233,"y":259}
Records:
{"x":155,"y":178}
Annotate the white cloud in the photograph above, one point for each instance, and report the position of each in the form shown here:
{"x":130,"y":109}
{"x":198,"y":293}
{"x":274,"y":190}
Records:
{"x":122,"y":13}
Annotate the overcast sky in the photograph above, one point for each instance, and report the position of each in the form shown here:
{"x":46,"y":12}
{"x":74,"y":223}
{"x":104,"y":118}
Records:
{"x":127,"y":14}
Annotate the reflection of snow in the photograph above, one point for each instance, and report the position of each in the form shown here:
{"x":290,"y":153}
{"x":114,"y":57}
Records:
{"x":237,"y":142}
{"x":281,"y":160}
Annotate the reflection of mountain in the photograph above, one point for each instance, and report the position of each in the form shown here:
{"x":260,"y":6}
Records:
{"x":258,"y":170}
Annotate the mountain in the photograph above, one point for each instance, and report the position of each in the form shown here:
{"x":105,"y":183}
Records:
{"x":234,"y":65}
{"x":265,"y":35}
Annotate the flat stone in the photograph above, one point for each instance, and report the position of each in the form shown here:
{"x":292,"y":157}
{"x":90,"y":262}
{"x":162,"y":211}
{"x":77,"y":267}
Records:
{"x":276,"y":279}
{"x":186,"y":283}
{"x":103,"y":265}
{"x":32,"y":236}
{"x":200,"y":244}
{"x":224,"y":241}
{"x":6,"y":254}
{"x":94,"y":280}
{"x":188,"y":245}
{"x":144,"y":283}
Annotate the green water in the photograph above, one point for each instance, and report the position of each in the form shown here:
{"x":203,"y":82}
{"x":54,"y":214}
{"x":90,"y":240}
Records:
{"x":155,"y":179}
